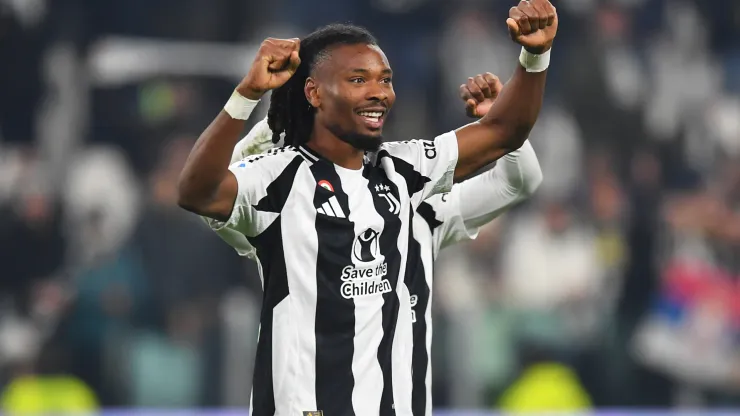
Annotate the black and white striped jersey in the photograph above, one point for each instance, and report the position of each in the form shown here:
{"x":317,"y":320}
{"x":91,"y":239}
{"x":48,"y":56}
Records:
{"x":332,"y":246}
{"x":449,"y":218}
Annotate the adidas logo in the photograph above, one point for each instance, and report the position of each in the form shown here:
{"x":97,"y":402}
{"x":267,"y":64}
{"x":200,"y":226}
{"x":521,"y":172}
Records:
{"x":331,"y":208}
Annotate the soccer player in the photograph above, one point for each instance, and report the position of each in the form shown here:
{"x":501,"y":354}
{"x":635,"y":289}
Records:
{"x":329,"y":213}
{"x":440,"y":221}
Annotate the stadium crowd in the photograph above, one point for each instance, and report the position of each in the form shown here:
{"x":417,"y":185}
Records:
{"x":619,"y":279}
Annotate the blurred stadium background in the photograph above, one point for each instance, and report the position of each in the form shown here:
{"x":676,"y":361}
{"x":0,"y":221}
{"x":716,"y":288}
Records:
{"x":616,"y":287}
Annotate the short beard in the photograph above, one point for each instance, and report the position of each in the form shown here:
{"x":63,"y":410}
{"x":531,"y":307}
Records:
{"x":362,"y":142}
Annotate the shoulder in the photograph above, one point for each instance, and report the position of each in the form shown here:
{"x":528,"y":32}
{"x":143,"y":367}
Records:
{"x":275,"y":167}
{"x":417,"y":149}
{"x":403,"y":146}
{"x":272,"y":160}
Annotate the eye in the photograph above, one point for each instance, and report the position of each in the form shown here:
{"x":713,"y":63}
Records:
{"x":357,"y":80}
{"x":387,"y":80}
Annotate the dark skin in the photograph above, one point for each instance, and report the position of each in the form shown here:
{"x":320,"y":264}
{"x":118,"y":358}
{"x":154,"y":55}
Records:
{"x":356,"y":78}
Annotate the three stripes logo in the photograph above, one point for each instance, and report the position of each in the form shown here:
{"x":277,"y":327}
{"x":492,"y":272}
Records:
{"x":331,"y":208}
{"x":384,"y":191}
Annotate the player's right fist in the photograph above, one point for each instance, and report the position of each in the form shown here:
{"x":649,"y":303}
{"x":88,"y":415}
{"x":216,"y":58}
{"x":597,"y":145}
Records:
{"x":533,"y":24}
{"x":276,"y":61}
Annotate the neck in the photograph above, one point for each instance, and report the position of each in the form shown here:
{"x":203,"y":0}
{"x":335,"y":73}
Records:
{"x":334,"y":149}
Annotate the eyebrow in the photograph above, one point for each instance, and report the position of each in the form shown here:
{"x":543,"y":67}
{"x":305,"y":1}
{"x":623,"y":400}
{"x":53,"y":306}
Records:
{"x":386,"y":71}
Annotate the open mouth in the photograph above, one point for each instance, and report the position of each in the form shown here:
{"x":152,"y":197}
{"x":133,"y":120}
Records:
{"x":373,"y":118}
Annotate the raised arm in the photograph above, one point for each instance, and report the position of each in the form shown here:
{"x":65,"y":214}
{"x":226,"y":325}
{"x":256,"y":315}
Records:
{"x":206,"y":186}
{"x":514,"y":178}
{"x":479,"y":200}
{"x":507,"y":124}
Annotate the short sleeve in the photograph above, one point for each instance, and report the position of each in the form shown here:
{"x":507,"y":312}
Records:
{"x":236,"y":240}
{"x":258,"y":140}
{"x":260,"y":191}
{"x":428,"y":166}
{"x":452,"y":229}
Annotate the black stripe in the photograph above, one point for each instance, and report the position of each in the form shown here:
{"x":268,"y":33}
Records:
{"x":328,"y":205}
{"x":417,"y":284}
{"x":279,"y":190}
{"x":310,"y":153}
{"x":415,"y":181}
{"x":271,"y":255}
{"x":426,"y":211}
{"x":389,"y":248}
{"x":270,"y":252}
{"x":335,"y":315}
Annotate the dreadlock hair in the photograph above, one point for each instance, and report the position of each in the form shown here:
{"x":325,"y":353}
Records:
{"x":290,"y":111}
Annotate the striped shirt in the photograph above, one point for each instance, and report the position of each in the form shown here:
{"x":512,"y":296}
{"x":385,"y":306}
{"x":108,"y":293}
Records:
{"x":450,"y":218}
{"x":332,"y":247}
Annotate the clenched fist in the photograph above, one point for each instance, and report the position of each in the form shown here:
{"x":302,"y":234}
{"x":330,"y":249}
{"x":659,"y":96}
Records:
{"x":533,"y":24}
{"x":276,"y":61}
{"x":479,"y":93}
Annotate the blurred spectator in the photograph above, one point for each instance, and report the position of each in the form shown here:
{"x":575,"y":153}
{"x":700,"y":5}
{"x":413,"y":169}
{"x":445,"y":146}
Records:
{"x":31,"y":238}
{"x":618,"y":280}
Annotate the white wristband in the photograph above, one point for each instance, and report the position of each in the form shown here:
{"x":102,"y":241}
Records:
{"x":240,"y":107}
{"x":533,"y":62}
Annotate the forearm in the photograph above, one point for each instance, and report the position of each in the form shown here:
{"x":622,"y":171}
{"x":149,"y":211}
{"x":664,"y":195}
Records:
{"x":516,"y":109}
{"x":514,"y":178}
{"x":208,"y":162}
{"x":507,"y":124}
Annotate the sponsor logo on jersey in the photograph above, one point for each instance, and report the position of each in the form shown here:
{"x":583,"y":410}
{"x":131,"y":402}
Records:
{"x":331,"y":208}
{"x":430,"y":149}
{"x":366,"y":277}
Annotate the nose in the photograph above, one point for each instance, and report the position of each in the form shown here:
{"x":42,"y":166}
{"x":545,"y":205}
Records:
{"x":377,"y":92}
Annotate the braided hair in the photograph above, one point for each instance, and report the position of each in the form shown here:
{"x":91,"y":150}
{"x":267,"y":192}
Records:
{"x":290,"y":112}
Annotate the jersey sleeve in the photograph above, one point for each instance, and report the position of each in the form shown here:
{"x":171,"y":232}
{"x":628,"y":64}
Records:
{"x":479,"y":200}
{"x":453,"y":228}
{"x":236,"y":240}
{"x":258,"y":189}
{"x":427,"y":166}
{"x":258,"y":140}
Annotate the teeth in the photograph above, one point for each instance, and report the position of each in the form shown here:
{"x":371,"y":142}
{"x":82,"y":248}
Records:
{"x":372,"y":114}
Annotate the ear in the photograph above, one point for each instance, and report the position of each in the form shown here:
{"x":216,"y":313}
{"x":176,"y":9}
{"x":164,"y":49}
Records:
{"x":311,"y":90}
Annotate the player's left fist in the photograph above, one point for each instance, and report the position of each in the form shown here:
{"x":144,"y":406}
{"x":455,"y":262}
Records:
{"x":479,"y":93}
{"x":533,"y":24}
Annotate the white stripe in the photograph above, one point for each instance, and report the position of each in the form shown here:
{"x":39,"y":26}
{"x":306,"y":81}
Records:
{"x":307,"y":153}
{"x":368,"y":376}
{"x":300,"y":384}
{"x":403,"y":341}
{"x":321,"y":210}
{"x":283,"y":351}
{"x":329,"y":211}
{"x":337,"y":208}
{"x":425,"y":240}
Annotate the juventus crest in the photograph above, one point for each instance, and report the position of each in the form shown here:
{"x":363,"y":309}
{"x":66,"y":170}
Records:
{"x":384,"y":191}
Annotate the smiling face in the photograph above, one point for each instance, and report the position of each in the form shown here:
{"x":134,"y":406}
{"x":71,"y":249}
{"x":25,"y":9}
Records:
{"x":353,"y":92}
